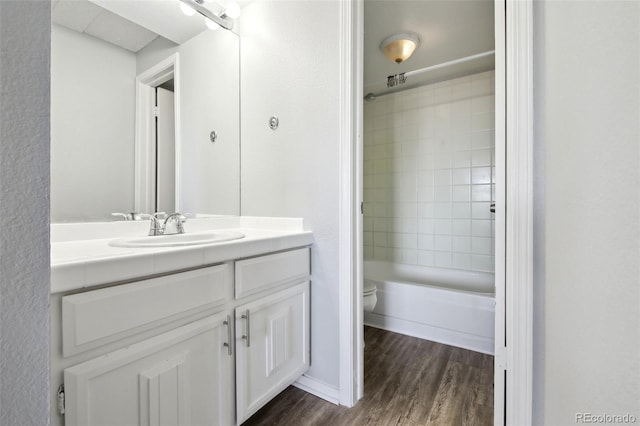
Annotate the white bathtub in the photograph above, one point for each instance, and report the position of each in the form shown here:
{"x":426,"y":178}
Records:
{"x":449,"y":306}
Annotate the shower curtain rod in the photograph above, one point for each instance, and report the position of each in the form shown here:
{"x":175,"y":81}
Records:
{"x":372,"y":96}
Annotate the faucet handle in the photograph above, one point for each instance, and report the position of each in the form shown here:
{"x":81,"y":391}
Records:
{"x":154,"y":228}
{"x":124,"y":216}
{"x":173,"y":224}
{"x":160,"y":215}
{"x":132,"y":216}
{"x":140,"y":216}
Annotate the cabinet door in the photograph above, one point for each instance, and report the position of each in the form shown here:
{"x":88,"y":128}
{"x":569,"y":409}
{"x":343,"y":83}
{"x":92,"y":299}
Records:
{"x":182,"y":377}
{"x":272,"y":341}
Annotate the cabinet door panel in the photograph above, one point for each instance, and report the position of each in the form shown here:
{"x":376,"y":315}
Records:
{"x":278,"y":349}
{"x":181,"y":377}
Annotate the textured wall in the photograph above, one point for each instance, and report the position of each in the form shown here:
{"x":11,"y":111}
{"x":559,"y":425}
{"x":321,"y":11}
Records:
{"x":24,"y":212}
{"x":587,"y":155}
{"x":290,"y":69}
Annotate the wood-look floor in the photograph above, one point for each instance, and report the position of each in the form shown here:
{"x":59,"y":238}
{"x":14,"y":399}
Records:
{"x":408,"y":381}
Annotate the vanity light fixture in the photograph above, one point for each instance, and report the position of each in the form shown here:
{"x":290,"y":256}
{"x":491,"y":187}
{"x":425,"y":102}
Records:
{"x":399,"y":47}
{"x":213,"y":20}
{"x":232,"y":10}
{"x":187,"y":10}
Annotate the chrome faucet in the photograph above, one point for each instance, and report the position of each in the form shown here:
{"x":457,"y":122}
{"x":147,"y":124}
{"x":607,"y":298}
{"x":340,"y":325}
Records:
{"x":155,"y":228}
{"x":172,"y":224}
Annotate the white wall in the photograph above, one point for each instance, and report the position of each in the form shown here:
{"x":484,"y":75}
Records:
{"x":290,"y":69}
{"x":92,"y":127}
{"x":209,"y":101}
{"x":153,"y":53}
{"x":24,"y":212}
{"x":587,"y":200}
{"x":429,"y":175}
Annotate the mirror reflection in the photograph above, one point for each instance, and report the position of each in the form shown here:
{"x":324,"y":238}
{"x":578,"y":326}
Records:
{"x":144,"y":111}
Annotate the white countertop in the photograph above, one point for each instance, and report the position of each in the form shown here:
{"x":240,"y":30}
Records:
{"x":82,"y":257}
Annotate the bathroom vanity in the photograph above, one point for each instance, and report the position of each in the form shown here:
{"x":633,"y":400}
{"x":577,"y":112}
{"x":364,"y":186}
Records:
{"x":203,"y":334}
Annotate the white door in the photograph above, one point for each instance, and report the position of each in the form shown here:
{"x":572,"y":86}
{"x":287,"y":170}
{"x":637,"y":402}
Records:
{"x":499,"y":216}
{"x":272,"y":341}
{"x":165,"y":151}
{"x":182,"y":377}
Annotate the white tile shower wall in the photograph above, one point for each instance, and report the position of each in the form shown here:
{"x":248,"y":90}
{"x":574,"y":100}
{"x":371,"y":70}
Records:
{"x":429,"y":168}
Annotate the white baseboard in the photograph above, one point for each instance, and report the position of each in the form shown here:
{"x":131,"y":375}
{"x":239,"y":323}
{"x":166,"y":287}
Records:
{"x":319,"y":389}
{"x":423,"y":331}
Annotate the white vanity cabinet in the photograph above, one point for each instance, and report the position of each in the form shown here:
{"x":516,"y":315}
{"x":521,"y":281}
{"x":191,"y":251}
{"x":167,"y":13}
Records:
{"x":272,"y":329}
{"x":206,"y":346}
{"x":151,"y":352}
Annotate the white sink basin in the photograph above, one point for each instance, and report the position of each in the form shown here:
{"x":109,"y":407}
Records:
{"x":177,"y":239}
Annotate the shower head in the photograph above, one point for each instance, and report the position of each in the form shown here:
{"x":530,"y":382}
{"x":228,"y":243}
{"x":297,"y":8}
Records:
{"x":370,"y":97}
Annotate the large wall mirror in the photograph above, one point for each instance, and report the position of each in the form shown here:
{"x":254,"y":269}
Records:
{"x":102,"y":53}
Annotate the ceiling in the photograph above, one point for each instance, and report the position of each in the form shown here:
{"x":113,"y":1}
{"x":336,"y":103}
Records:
{"x":448,"y":29}
{"x":127,"y":23}
{"x":87,"y":18}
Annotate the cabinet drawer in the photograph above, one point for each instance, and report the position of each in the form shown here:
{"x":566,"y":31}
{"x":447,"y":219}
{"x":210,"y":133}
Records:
{"x":102,"y":316}
{"x":260,"y":273}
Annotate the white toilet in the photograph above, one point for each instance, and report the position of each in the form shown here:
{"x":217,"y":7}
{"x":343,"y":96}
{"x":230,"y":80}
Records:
{"x":369,"y":298}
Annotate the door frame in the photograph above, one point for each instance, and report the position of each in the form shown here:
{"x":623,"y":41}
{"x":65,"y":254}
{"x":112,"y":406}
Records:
{"x":350,"y":271}
{"x":145,"y":158}
{"x":518,"y":300}
{"x":500,"y":347}
{"x":514,"y":349}
{"x":165,"y":151}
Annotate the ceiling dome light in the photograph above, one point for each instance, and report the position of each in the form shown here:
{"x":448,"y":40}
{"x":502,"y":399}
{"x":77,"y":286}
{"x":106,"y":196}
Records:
{"x":186,"y":9}
{"x":399,"y":47}
{"x":232,"y":10}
